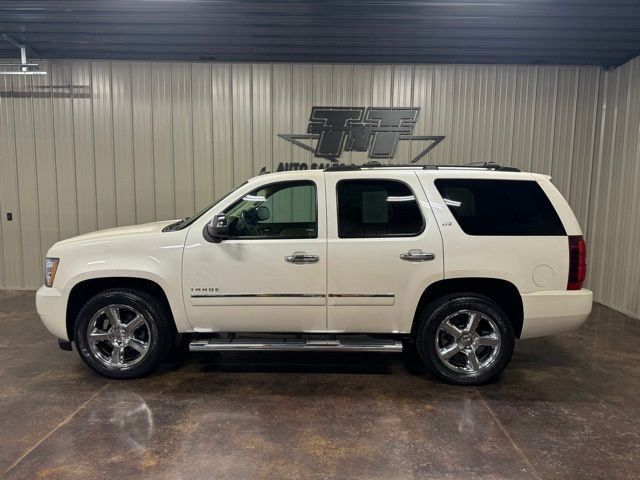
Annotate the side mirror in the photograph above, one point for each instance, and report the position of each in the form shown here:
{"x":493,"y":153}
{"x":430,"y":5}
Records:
{"x":218,"y":228}
{"x":263,"y":213}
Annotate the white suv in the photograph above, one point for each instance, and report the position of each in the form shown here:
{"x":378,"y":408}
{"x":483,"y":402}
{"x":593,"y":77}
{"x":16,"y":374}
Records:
{"x":456,"y":262}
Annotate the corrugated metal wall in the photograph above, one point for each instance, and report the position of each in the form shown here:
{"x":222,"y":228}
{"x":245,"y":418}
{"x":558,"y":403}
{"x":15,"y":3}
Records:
{"x":614,"y":219}
{"x":98,"y":144}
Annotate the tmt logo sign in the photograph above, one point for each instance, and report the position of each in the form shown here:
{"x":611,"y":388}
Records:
{"x":375,"y":130}
{"x":372,"y":130}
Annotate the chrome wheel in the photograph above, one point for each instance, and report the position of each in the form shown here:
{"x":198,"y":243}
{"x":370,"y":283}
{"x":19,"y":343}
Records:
{"x":118,"y":336}
{"x":468,"y":342}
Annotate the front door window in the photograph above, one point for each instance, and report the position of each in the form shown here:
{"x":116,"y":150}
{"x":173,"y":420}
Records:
{"x":278,"y":210}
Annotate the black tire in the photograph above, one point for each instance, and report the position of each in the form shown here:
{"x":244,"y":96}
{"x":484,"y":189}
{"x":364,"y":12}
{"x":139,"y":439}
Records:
{"x":450,"y":306}
{"x":158,"y":331}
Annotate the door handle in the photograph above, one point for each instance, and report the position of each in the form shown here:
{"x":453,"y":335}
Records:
{"x":301,"y":257}
{"x":417,"y":255}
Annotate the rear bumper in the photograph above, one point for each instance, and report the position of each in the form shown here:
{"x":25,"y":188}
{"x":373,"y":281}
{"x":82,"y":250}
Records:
{"x":548,"y":313}
{"x":51,"y":306}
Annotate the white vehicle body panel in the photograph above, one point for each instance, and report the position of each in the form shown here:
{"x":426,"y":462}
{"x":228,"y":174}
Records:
{"x":370,"y":288}
{"x":550,"y":313}
{"x":358,"y":284}
{"x":538,"y":266}
{"x":139,"y":251}
{"x":513,"y":258}
{"x":246,"y":284}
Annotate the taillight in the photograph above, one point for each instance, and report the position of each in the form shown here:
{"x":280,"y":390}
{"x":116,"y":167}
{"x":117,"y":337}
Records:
{"x":577,"y":262}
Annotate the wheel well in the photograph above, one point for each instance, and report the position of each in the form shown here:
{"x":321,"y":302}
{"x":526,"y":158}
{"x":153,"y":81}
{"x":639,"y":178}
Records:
{"x":502,"y":292}
{"x":83,"y":291}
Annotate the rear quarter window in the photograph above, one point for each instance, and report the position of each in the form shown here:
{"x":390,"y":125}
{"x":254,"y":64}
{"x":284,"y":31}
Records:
{"x":500,"y":207}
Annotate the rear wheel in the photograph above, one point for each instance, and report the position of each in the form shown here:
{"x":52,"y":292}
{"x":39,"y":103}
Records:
{"x":123,"y":333}
{"x":465,"y":339}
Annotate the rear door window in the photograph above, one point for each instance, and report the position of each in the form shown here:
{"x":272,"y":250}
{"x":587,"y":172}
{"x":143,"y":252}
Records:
{"x":377,"y":208}
{"x":500,"y":207}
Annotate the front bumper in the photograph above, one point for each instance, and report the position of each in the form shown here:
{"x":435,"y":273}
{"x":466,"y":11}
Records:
{"x":549,"y":313}
{"x":51,"y":306}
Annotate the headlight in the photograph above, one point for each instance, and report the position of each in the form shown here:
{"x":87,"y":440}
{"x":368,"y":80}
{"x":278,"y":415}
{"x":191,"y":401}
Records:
{"x":50,"y":268}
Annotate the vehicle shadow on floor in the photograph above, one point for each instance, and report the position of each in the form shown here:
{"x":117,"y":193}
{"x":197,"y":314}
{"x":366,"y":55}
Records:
{"x":283,"y":362}
{"x":538,"y":353}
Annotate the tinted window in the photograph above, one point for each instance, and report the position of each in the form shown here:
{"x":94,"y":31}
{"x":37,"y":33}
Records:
{"x":278,"y":210}
{"x":377,"y":208}
{"x":500,"y":207}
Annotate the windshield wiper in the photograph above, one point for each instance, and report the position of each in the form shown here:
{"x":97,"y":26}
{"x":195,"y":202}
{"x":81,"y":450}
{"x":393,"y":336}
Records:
{"x":174,"y":226}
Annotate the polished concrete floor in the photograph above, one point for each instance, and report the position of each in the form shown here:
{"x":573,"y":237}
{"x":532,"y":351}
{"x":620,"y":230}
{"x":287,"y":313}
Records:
{"x":567,"y":407}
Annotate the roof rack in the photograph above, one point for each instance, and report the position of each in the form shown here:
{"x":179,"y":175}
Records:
{"x":485,"y":165}
{"x":342,"y":168}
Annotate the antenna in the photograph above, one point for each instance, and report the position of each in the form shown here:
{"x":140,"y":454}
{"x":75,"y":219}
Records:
{"x":22,"y":68}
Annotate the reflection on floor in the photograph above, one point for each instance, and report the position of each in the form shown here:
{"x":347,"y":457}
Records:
{"x":567,"y":407}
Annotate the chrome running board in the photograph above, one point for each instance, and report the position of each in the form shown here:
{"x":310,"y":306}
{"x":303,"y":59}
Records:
{"x":295,"y":344}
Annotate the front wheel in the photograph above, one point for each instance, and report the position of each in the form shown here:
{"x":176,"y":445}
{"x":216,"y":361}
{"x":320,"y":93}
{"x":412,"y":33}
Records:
{"x":465,"y":339}
{"x":122,"y":333}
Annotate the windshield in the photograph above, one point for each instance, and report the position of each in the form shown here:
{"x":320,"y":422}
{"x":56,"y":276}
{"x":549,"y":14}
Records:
{"x":185,"y":222}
